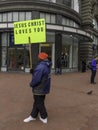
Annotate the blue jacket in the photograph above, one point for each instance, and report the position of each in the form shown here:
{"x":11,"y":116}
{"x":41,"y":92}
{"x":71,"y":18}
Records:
{"x":40,"y":82}
{"x":93,"y":64}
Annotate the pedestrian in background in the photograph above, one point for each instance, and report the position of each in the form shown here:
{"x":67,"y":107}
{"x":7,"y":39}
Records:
{"x":58,"y":66}
{"x":93,"y":69}
{"x":83,"y":65}
{"x":40,"y":85}
{"x":63,"y":59}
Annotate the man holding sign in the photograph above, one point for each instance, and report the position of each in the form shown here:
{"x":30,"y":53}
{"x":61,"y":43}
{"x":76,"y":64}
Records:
{"x":30,"y":31}
{"x":40,"y":85}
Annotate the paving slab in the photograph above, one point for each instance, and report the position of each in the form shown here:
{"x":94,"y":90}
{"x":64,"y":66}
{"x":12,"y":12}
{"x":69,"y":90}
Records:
{"x":68,"y":104}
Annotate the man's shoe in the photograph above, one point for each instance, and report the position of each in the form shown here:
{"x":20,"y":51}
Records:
{"x":93,"y":82}
{"x":30,"y":118}
{"x":43,"y":120}
{"x":90,"y":92}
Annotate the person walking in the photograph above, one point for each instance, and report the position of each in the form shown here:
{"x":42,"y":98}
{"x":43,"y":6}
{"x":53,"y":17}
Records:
{"x":93,"y":69}
{"x":40,"y":84}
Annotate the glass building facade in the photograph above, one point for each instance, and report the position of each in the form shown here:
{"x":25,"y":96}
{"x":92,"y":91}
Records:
{"x":63,"y":33}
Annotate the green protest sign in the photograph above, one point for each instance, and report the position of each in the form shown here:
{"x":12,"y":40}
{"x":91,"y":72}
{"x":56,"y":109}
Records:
{"x":30,"y":31}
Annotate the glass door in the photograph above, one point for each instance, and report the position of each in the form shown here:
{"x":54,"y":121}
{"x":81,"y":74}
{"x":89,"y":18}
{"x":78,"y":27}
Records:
{"x":49,"y":49}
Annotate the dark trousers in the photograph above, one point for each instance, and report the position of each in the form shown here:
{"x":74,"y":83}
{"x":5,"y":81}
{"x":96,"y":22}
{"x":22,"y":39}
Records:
{"x":39,"y":107}
{"x":58,"y":70}
{"x":93,"y":74}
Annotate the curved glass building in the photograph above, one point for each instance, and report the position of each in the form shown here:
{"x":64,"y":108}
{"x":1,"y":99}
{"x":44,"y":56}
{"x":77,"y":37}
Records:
{"x":71,"y":29}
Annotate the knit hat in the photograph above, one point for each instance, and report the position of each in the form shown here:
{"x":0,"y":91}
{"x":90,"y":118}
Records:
{"x":42,"y":55}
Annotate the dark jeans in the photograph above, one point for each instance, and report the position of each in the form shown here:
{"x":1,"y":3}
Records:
{"x":58,"y":70}
{"x":39,"y":107}
{"x":93,"y":74}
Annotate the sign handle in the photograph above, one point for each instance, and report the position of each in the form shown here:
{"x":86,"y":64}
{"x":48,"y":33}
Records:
{"x":30,"y":52}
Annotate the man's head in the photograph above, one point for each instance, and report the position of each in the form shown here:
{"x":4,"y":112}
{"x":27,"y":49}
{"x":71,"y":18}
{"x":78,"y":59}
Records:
{"x":43,"y":56}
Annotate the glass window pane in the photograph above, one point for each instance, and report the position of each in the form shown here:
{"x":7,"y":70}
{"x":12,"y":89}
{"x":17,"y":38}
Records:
{"x":75,"y":53}
{"x":4,"y":17}
{"x":54,"y":1}
{"x":71,"y":23}
{"x":76,"y":25}
{"x":4,"y":39}
{"x":53,"y":19}
{"x":67,"y":50}
{"x":76,"y":5}
{"x":44,"y":0}
{"x":67,"y":22}
{"x":4,"y":56}
{"x":28,"y":15}
{"x":9,"y":16}
{"x":21,"y":16}
{"x":64,"y":21}
{"x":67,"y":3}
{"x":0,"y":17}
{"x":50,"y":37}
{"x":15,"y":16}
{"x":47,"y":18}
{"x":27,"y":62}
{"x":42,"y":15}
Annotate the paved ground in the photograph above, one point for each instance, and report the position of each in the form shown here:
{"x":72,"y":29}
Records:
{"x":69,"y":107}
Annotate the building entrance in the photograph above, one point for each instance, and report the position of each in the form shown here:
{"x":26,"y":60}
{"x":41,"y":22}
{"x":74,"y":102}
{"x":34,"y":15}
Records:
{"x":49,"y":49}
